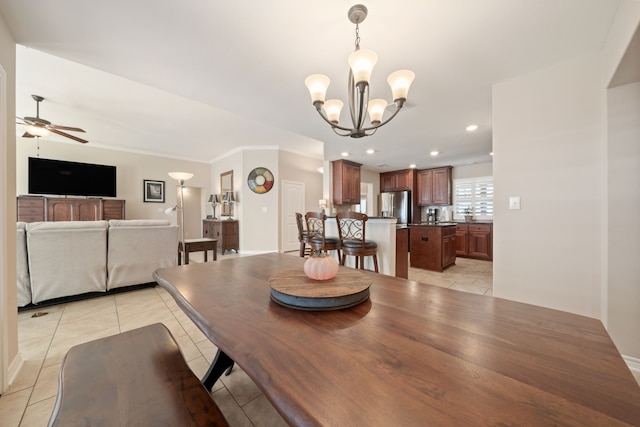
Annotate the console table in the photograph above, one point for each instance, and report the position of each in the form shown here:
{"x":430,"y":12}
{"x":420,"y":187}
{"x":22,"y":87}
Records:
{"x":225,"y":231}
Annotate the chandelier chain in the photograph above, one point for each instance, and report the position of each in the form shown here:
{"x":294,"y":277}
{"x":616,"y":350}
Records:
{"x":357,"y":37}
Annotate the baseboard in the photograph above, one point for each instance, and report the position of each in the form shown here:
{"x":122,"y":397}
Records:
{"x":633,"y":363}
{"x":14,"y":367}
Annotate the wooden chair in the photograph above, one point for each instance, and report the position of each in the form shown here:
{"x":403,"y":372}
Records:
{"x":303,"y":236}
{"x":316,"y":233}
{"x":351,"y":229}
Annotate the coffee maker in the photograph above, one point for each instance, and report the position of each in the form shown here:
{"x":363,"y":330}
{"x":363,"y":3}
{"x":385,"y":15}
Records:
{"x":432,"y":215}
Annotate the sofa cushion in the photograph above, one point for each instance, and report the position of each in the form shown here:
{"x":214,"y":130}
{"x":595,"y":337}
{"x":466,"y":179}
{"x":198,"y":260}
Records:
{"x":22,"y":267}
{"x":137,"y":248}
{"x":66,"y":258}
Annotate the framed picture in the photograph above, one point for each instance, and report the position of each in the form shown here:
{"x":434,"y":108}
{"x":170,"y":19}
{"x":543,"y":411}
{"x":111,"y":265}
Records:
{"x":153,"y":191}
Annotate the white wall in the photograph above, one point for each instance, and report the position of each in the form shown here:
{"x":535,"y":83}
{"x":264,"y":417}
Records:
{"x":132,"y":169}
{"x":548,"y":129}
{"x":10,"y":360}
{"x":472,"y":171}
{"x":624,"y":228}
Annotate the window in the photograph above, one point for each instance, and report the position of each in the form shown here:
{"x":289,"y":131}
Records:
{"x":474,"y":193}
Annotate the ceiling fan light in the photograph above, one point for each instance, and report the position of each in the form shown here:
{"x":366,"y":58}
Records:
{"x":362,"y":62}
{"x":38,"y":131}
{"x":332,"y":108}
{"x":400,"y":82}
{"x":376,"y":110}
{"x":317,"y":85}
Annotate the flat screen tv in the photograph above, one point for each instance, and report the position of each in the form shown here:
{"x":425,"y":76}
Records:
{"x":63,"y":178}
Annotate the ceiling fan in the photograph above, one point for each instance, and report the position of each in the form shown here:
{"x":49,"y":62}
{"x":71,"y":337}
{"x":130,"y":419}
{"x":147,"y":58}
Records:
{"x":37,"y":127}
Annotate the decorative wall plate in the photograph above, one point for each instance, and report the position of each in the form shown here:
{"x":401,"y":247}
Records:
{"x":260,"y":180}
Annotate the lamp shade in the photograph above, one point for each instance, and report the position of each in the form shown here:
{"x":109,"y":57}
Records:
{"x":214,"y":198}
{"x":362,"y":62}
{"x":317,"y":85}
{"x":228,"y":197}
{"x":400,"y":81}
{"x":332,"y":108}
{"x":376,"y":110}
{"x":181,"y":176}
{"x":37,"y":131}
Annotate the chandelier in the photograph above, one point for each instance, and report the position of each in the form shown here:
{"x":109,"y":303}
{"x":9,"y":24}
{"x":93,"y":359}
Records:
{"x":361,"y":63}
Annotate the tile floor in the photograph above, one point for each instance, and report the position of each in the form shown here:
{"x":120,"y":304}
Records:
{"x":45,"y":340}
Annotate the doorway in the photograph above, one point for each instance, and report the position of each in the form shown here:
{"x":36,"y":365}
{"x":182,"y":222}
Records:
{"x":192,"y":212}
{"x":293,"y":194}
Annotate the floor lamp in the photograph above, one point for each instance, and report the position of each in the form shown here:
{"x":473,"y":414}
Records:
{"x":181,"y":177}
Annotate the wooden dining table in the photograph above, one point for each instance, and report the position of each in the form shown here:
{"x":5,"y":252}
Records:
{"x":412,"y":354}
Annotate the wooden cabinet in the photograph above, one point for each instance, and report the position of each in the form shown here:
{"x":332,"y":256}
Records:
{"x":30,"y":209}
{"x":346,"y":182}
{"x":433,"y":247}
{"x":403,"y":180}
{"x":434,"y":187}
{"x":475,"y":241}
{"x":402,"y":252}
{"x":33,"y":209}
{"x":74,"y":209}
{"x":112,"y":209}
{"x":225,"y":230}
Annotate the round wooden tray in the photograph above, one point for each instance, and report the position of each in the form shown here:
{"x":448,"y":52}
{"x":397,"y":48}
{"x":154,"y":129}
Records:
{"x":292,"y":288}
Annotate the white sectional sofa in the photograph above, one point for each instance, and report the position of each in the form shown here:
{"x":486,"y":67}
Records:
{"x":68,"y":258}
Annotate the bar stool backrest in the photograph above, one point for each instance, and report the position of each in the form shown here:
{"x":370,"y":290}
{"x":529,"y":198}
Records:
{"x":315,"y":228}
{"x":351,"y":227}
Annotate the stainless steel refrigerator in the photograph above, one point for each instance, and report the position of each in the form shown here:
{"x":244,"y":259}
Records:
{"x":396,"y":204}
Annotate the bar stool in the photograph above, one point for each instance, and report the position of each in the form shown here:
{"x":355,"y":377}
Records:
{"x":351,"y":229}
{"x":303,"y":236}
{"x":316,"y":232}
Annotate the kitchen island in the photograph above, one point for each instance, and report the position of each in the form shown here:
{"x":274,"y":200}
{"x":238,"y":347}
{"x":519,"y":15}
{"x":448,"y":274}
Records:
{"x":433,"y":245}
{"x":383,"y":232}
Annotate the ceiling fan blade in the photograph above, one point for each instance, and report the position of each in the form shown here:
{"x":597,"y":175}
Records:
{"x":27,"y":135}
{"x":75,"y":138}
{"x":66,"y":128}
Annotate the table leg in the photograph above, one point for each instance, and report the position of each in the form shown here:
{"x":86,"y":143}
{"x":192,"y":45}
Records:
{"x":186,"y":257}
{"x":215,"y":251}
{"x":221,"y":364}
{"x":205,"y":255}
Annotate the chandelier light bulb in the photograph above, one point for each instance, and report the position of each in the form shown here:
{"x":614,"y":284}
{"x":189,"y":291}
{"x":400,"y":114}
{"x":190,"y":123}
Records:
{"x":376,"y":110}
{"x":362,"y":62}
{"x":332,"y":108}
{"x":400,"y":82}
{"x":317,"y":85}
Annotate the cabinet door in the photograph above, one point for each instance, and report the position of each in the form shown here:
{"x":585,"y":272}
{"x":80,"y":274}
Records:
{"x":60,"y":210}
{"x":88,"y":210}
{"x":352,"y":187}
{"x":480,"y":241}
{"x":448,"y":250}
{"x":441,"y":186}
{"x":425,"y":188}
{"x":404,"y":181}
{"x":462,"y":239}
{"x":113,"y":209}
{"x":387,"y":181}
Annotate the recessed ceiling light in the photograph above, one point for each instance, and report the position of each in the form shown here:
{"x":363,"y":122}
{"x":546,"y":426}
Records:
{"x":371,"y":151}
{"x":491,"y":153}
{"x":434,"y":153}
{"x":344,"y":154}
{"x":321,"y":169}
{"x":471,"y":128}
{"x":412,"y":165}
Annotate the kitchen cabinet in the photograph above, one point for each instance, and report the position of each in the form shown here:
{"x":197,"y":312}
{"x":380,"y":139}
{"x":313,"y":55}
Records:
{"x":434,"y":186}
{"x":346,"y":182}
{"x":35,"y":209}
{"x":402,"y":180}
{"x":225,"y":231}
{"x":433,"y":247}
{"x":474,"y":241}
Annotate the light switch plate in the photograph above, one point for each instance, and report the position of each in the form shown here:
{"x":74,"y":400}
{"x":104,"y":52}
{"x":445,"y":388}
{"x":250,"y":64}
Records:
{"x":514,"y":202}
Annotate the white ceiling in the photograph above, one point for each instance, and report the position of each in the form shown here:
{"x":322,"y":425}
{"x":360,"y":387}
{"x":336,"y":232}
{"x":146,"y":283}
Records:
{"x":197,"y":79}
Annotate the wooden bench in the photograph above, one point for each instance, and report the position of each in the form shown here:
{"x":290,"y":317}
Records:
{"x":136,"y":378}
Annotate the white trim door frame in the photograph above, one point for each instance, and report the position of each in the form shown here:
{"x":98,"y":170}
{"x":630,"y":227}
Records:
{"x":293,"y":195}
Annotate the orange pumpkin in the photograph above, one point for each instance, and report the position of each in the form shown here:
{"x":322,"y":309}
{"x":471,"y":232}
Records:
{"x":321,"y":267}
